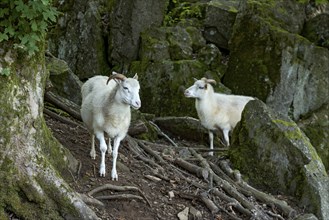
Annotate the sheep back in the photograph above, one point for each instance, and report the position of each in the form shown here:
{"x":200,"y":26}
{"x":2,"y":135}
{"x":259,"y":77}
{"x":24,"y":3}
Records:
{"x":221,"y":110}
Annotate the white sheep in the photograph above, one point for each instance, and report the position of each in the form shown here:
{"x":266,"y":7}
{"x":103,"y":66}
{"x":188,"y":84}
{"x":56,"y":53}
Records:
{"x":216,"y":111}
{"x":105,"y":107}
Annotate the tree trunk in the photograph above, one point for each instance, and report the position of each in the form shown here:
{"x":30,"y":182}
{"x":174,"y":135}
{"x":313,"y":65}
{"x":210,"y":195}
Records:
{"x":31,"y":159}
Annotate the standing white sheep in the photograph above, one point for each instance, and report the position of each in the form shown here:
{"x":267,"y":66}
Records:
{"x":105,"y":107}
{"x":216,"y":111}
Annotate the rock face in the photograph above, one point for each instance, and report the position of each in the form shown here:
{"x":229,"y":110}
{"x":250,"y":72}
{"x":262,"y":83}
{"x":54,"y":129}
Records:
{"x":127,"y":20}
{"x":78,"y":38}
{"x":271,"y":61}
{"x":275,"y":155}
{"x":219,"y":21}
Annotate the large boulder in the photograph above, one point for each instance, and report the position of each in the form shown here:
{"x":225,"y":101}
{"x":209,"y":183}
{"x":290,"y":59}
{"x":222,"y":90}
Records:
{"x":275,"y":155}
{"x":271,"y":61}
{"x":219,"y":20}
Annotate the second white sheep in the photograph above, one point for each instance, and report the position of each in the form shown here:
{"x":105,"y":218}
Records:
{"x":215,"y":110}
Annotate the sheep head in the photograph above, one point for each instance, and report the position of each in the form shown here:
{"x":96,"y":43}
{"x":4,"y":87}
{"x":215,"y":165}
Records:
{"x":128,"y":90}
{"x":200,"y":88}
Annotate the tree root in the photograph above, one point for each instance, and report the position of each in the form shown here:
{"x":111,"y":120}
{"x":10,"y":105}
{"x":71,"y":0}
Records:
{"x":162,"y":134}
{"x":120,"y":196}
{"x":91,"y":201}
{"x":118,"y":188}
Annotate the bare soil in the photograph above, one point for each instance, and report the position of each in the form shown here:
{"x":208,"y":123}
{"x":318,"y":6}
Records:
{"x":132,"y":171}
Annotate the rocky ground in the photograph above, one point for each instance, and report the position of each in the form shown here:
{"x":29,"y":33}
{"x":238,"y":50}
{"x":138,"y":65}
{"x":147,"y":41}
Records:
{"x":154,"y":182}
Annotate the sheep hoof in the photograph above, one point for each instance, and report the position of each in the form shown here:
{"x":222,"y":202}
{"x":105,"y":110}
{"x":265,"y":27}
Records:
{"x":114,"y":175}
{"x":211,"y":153}
{"x":102,"y":171}
{"x":93,"y":155}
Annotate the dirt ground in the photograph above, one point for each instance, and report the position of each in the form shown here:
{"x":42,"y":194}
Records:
{"x":162,"y":198}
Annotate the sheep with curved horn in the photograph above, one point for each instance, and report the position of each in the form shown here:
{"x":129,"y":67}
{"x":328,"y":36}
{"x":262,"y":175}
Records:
{"x":216,"y":111}
{"x":105,"y":108}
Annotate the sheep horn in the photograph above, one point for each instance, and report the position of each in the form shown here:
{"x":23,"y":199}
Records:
{"x":116,"y":76}
{"x":208,"y":80}
{"x":211,"y":81}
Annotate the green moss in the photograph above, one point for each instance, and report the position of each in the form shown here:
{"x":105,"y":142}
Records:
{"x":184,"y":11}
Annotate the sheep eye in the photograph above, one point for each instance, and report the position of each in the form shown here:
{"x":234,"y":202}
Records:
{"x":126,"y":88}
{"x":201,"y":87}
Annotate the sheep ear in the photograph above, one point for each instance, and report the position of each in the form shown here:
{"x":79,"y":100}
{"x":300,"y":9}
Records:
{"x":136,"y":76}
{"x":113,"y":73}
{"x":195,"y":79}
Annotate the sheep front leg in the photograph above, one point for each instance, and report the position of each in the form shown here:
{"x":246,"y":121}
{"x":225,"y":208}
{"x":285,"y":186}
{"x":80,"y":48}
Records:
{"x":116,"y":145}
{"x":211,"y":140}
{"x":103,"y":148}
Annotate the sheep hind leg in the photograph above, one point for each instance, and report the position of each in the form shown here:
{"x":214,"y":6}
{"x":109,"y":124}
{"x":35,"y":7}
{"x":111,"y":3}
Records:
{"x":103,"y":148}
{"x":109,"y":147}
{"x":226,"y":136}
{"x":92,"y":151}
{"x":211,"y":140}
{"x":116,"y":145}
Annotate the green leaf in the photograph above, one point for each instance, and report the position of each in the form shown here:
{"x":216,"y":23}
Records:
{"x":20,"y":6}
{"x":3,"y":37}
{"x":25,"y":22}
{"x":24,"y":39}
{"x":4,"y":12}
{"x":34,"y":25}
{"x":10,"y":30}
{"x":5,"y":71}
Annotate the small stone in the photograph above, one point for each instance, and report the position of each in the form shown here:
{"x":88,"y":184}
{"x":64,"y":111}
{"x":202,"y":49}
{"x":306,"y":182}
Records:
{"x":171,"y":194}
{"x":196,"y":214}
{"x":183,"y":215}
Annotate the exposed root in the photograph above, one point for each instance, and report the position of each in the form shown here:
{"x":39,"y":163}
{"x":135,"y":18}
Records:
{"x":120,"y":196}
{"x":91,"y":201}
{"x":117,"y":188}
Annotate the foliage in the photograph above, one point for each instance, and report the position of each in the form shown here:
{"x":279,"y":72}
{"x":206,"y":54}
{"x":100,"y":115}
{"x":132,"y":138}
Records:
{"x":25,"y":22}
{"x":5,"y":71}
{"x":316,"y":2}
{"x":182,"y":10}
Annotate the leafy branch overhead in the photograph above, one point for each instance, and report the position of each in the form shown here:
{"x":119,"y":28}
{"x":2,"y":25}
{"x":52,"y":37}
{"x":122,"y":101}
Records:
{"x":25,"y":23}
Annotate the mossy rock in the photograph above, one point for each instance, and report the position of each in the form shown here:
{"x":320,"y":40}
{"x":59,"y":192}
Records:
{"x":270,"y":61}
{"x":219,"y":20}
{"x":275,"y":155}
